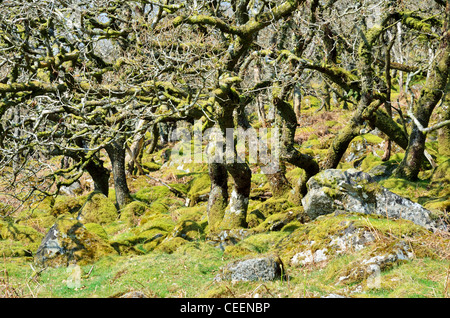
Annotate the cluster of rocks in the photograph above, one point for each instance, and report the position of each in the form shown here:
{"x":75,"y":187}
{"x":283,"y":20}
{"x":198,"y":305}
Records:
{"x":357,"y":192}
{"x":331,"y":191}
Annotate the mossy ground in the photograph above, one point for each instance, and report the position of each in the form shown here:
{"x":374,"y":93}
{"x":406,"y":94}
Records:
{"x":161,"y":246}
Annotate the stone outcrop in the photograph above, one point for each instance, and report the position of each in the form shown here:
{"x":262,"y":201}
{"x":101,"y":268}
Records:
{"x":255,"y":269}
{"x":355,"y":191}
{"x":69,"y":242}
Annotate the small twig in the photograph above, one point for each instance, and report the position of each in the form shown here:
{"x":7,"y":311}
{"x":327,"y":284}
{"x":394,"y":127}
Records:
{"x":230,"y":291}
{"x":35,"y":273}
{"x":89,"y":273}
{"x":175,"y":191}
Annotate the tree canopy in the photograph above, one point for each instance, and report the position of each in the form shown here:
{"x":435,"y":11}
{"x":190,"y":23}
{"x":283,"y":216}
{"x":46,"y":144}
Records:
{"x":79,"y":78}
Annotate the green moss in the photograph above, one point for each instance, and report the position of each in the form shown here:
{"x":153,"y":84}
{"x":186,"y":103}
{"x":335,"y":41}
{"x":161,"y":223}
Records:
{"x":160,"y":222}
{"x":12,"y":248}
{"x":151,"y":165}
{"x":254,"y":218}
{"x":99,"y":209}
{"x":369,"y":162}
{"x":238,"y":251}
{"x":405,"y":188}
{"x":79,"y":244}
{"x":276,"y":222}
{"x":133,"y":211}
{"x":66,"y":204}
{"x":323,"y":228}
{"x":196,"y":213}
{"x":98,"y":230}
{"x":198,"y":186}
{"x":151,"y":194}
{"x":20,"y":233}
{"x":262,"y":242}
{"x":188,"y":230}
{"x":171,"y":244}
{"x":273,"y":206}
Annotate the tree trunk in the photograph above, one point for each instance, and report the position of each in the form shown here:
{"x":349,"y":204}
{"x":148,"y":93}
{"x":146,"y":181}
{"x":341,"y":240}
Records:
{"x":297,"y":102}
{"x":389,"y":127}
{"x":286,"y":121}
{"x":279,"y":184}
{"x":349,"y":132}
{"x":236,"y":211}
{"x":218,"y":196}
{"x":100,"y":175}
{"x":116,"y":153}
{"x":259,"y":99}
{"x":430,"y":95}
{"x":154,"y":139}
{"x":387,"y":104}
{"x":135,"y":149}
{"x":444,"y":133}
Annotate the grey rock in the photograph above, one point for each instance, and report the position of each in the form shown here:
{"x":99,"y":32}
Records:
{"x":69,"y":242}
{"x":371,"y":268}
{"x":334,"y":296}
{"x":256,"y":269}
{"x":134,"y":294}
{"x":354,"y":191}
{"x":72,"y":189}
{"x":382,"y":171}
{"x":225,"y":238}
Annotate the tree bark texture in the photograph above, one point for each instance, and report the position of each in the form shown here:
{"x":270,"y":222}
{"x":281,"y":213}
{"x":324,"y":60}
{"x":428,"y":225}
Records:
{"x":116,"y":153}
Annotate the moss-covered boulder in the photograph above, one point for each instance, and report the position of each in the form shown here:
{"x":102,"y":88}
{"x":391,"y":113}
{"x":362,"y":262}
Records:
{"x":199,"y":188}
{"x":154,"y":193}
{"x":11,"y":248}
{"x":265,"y":268}
{"x":146,"y":236}
{"x":98,"y":209}
{"x":355,"y":191}
{"x":66,"y":204}
{"x":334,"y":235}
{"x":133,"y":211}
{"x":18,"y":240}
{"x":97,"y":229}
{"x":171,"y":244}
{"x":68,"y":241}
{"x":188,"y":230}
{"x":279,"y":221}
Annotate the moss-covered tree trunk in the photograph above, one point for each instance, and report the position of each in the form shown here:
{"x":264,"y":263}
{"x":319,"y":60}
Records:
{"x":116,"y":153}
{"x":366,"y":105}
{"x":236,"y":212}
{"x":430,"y":95}
{"x":100,"y":175}
{"x":444,"y":133}
{"x":218,"y":196}
{"x":135,"y":149}
{"x":226,"y":212}
{"x":287,"y":122}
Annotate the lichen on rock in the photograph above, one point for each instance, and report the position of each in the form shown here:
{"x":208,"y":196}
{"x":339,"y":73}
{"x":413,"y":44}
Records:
{"x":355,"y":191}
{"x":266,"y":268}
{"x":69,"y":241}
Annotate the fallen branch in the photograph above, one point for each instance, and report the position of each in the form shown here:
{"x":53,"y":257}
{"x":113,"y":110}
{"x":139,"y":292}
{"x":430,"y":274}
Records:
{"x":172,"y":189}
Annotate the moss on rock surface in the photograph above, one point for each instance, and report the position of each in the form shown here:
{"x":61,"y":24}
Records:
{"x":99,"y":209}
{"x":133,"y":211}
{"x":171,"y":244}
{"x":199,"y":188}
{"x":67,"y":204}
{"x":21,"y":233}
{"x":18,"y":239}
{"x":69,"y":241}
